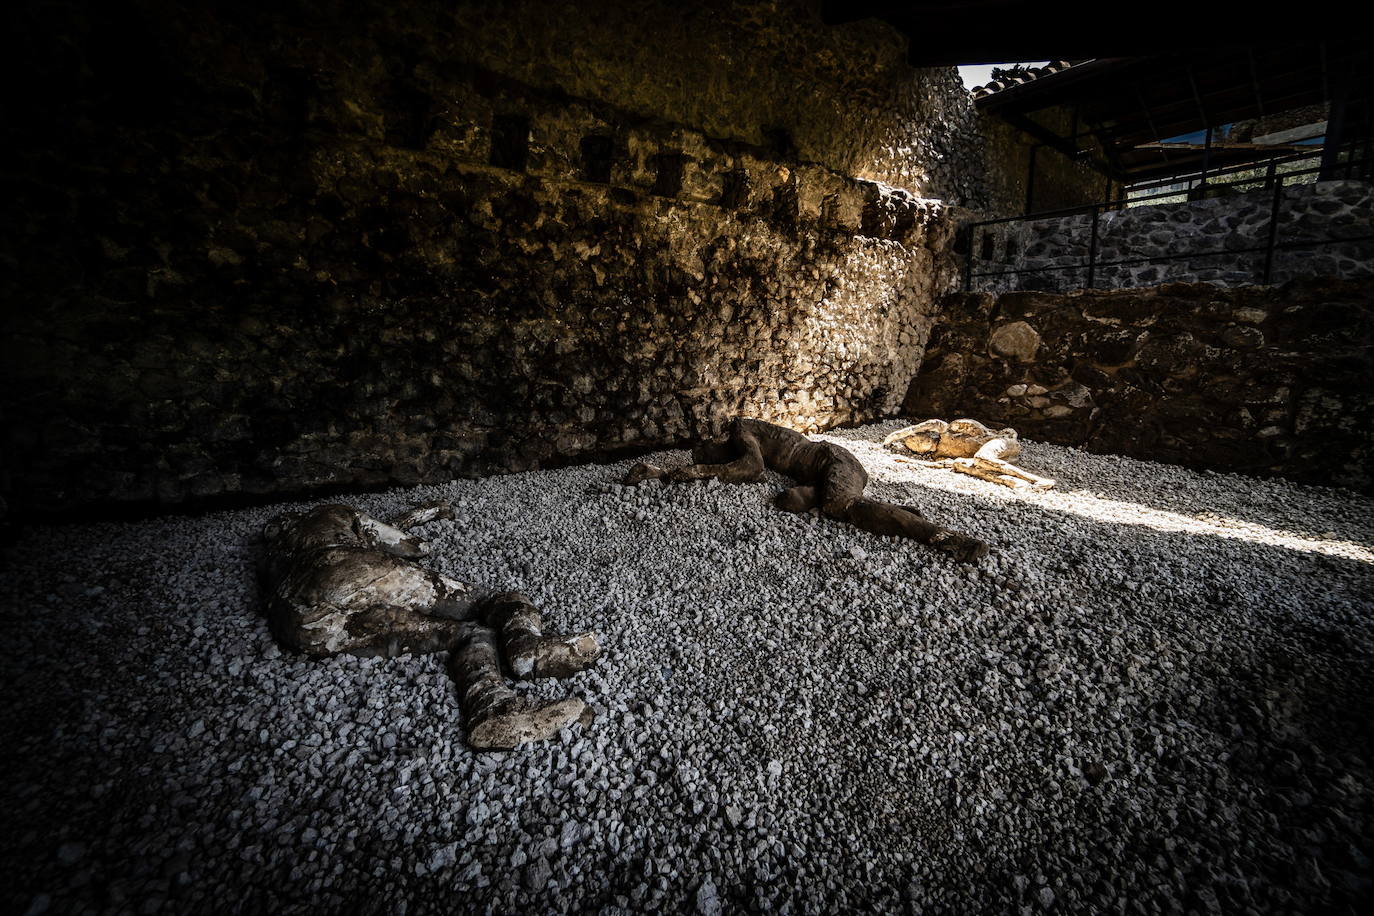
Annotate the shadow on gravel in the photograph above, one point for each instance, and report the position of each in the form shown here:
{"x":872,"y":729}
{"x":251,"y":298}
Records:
{"x":1280,"y":690}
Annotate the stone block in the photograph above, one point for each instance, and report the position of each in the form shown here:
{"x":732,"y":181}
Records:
{"x":1015,"y":340}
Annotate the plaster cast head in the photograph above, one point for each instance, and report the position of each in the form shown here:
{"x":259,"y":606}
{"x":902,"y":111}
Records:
{"x":338,"y":526}
{"x":923,"y":443}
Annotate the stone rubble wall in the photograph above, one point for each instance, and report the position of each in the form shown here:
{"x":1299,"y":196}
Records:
{"x":276,"y":251}
{"x":1260,"y":380}
{"x":1051,"y":253}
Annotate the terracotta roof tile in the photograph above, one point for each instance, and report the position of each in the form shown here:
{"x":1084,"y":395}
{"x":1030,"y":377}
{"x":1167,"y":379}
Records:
{"x":1033,"y":73}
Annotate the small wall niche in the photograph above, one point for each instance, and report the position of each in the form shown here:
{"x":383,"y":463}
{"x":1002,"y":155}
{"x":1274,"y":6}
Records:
{"x":668,"y":169}
{"x":409,"y":120}
{"x":510,"y":141}
{"x":734,"y":191}
{"x":785,"y":208}
{"x":779,"y":143}
{"x":598,"y":154}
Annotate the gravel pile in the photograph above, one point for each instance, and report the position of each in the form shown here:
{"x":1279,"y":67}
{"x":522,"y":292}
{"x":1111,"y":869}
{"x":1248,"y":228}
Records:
{"x":1154,"y":695}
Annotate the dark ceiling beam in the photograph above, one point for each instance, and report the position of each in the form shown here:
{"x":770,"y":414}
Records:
{"x":1132,"y":133}
{"x":1056,"y":142}
{"x":1181,"y":165}
{"x":1172,"y":86}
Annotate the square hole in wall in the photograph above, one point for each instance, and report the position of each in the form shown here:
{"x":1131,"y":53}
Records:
{"x":785,"y":207}
{"x":668,"y":169}
{"x":510,"y":141}
{"x":779,"y":143}
{"x":734,"y":192}
{"x":598,"y":153}
{"x":409,"y":121}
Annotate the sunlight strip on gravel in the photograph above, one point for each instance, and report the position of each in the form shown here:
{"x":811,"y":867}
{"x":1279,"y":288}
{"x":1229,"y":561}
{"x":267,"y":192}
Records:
{"x":887,"y":468}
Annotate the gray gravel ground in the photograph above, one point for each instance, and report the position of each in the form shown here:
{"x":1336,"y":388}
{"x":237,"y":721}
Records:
{"x":1153,"y":697}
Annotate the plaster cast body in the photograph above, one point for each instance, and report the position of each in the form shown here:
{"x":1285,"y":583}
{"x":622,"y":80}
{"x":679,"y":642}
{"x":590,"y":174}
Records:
{"x":829,"y":478}
{"x":340,"y":581}
{"x":968,"y":447}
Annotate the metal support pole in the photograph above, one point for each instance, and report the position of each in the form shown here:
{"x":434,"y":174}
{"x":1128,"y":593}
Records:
{"x":1030,"y":179}
{"x":968,"y":263}
{"x":1335,"y":124}
{"x":1206,"y":119}
{"x":1206,"y":159}
{"x":1273,"y":233}
{"x":1092,"y":253}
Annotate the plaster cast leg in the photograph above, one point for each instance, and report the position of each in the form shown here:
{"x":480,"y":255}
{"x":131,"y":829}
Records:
{"x":528,"y":651}
{"x":887,"y":518}
{"x":496,"y":718}
{"x":389,"y":630}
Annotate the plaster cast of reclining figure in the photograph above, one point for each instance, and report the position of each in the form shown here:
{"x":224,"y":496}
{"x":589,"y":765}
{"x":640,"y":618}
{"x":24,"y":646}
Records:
{"x":339,"y":581}
{"x":970,"y":448}
{"x":829,"y":478}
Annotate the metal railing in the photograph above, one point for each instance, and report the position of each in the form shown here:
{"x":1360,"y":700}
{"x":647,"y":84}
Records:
{"x":1356,"y":164}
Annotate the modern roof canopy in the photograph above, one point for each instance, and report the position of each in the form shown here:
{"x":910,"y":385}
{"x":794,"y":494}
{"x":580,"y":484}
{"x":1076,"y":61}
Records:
{"x":1139,"y":80}
{"x":1131,"y":106}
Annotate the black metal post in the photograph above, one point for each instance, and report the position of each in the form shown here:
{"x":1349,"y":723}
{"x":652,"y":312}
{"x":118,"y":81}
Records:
{"x":1273,"y":233}
{"x":1030,"y":180}
{"x":968,"y":262}
{"x":1335,"y":124}
{"x":1206,"y":159}
{"x":1092,"y":253}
